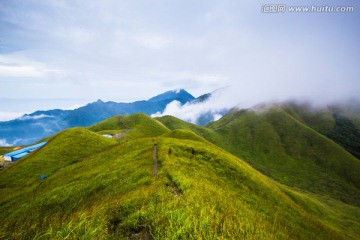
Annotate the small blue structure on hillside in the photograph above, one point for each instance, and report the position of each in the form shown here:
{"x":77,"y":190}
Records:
{"x":15,"y":155}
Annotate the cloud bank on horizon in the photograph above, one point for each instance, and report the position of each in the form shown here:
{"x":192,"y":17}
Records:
{"x":130,"y":50}
{"x":213,"y":106}
{"x":222,"y":100}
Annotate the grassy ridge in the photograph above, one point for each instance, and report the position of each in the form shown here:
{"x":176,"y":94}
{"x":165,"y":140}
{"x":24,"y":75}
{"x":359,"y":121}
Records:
{"x":71,"y":197}
{"x":184,"y":134}
{"x":334,"y":213}
{"x":63,"y":149}
{"x":288,"y":151}
{"x":174,"y":123}
{"x":285,"y":149}
{"x":340,"y":124}
{"x":137,"y":125}
{"x":97,"y":188}
{"x":320,"y":119}
{"x":200,"y":192}
{"x":19,"y":181}
{"x":242,"y":203}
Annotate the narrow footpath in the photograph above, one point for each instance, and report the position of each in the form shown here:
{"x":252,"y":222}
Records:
{"x":121,"y":135}
{"x":155,"y":157}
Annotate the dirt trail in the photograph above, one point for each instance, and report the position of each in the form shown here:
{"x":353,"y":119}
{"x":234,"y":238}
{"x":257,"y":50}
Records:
{"x":155,"y":157}
{"x":121,"y":135}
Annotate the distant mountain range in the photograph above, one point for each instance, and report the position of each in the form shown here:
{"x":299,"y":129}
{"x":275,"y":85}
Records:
{"x":32,"y":127}
{"x":340,"y":122}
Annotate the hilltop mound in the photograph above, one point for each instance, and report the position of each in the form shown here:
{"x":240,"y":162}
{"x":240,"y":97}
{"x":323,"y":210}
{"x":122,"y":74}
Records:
{"x":174,"y":123}
{"x":63,"y":149}
{"x":137,"y":125}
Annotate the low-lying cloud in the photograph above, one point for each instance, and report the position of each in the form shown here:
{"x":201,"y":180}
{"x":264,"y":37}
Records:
{"x":4,"y":143}
{"x":222,"y":100}
{"x":14,"y":142}
{"x":28,"y":117}
{"x":213,"y":106}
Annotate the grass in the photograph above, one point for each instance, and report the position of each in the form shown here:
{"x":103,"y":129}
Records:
{"x":111,"y":132}
{"x":4,"y":150}
{"x":138,"y":125}
{"x":21,"y":179}
{"x":346,"y":134}
{"x":184,"y":134}
{"x":100,"y":188}
{"x":226,"y":198}
{"x":283,"y":148}
{"x":174,"y":123}
{"x":200,"y":192}
{"x":320,"y":119}
{"x":338,"y":124}
{"x":334,"y":213}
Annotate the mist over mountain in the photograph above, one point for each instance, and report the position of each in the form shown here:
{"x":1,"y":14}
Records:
{"x":32,"y":127}
{"x":212,"y":106}
{"x":206,"y":108}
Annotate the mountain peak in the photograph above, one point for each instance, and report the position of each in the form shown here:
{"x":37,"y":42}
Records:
{"x":179,"y":94}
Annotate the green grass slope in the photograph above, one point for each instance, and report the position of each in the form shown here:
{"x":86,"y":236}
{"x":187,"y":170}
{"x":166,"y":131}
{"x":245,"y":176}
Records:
{"x":4,"y":150}
{"x":66,"y":148}
{"x":184,"y":134}
{"x":135,"y":125}
{"x":337,"y":123}
{"x":282,"y":147}
{"x":200,"y":192}
{"x":343,"y":217}
{"x":174,"y":123}
{"x":320,"y":119}
{"x":285,"y":149}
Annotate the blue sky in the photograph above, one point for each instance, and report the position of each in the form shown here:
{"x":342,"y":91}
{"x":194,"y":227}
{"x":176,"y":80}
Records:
{"x":63,"y":53}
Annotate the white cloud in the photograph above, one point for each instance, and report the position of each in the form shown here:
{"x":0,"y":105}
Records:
{"x":152,"y":41}
{"x":20,"y":71}
{"x":216,"y":116}
{"x":18,"y":65}
{"x":6,"y":116}
{"x":134,"y":49}
{"x":27,"y":117}
{"x":76,"y":35}
{"x":3,"y":143}
{"x":191,"y":112}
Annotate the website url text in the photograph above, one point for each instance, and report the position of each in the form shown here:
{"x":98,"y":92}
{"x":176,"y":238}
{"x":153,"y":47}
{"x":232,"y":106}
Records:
{"x":282,"y":8}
